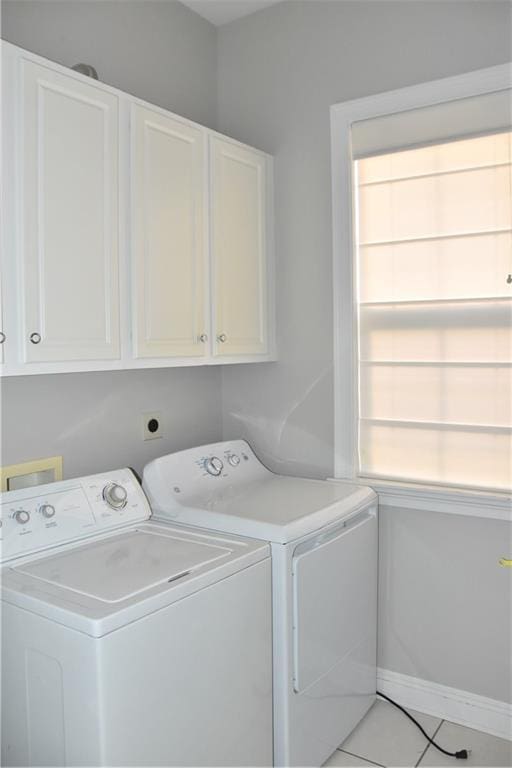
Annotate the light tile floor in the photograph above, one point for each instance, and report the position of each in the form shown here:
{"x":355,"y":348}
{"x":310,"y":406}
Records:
{"x":387,"y":738}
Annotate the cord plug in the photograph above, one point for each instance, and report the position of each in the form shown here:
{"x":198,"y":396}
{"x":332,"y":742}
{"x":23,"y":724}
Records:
{"x":462,"y":754}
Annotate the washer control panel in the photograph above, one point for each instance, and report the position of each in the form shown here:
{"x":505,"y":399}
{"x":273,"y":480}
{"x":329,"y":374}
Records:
{"x":115,"y":495}
{"x":35,"y":518}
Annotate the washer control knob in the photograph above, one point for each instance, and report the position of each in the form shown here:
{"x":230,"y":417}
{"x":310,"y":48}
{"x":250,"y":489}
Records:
{"x":22,"y":516}
{"x":115,"y":495}
{"x":47,"y":510}
{"x":234,"y":460}
{"x":214,"y":466}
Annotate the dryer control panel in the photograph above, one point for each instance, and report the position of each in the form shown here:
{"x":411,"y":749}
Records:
{"x":187,"y":476}
{"x":32,"y":519}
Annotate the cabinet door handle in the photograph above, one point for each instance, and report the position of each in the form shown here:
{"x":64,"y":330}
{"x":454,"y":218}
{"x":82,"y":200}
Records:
{"x":203,"y":338}
{"x":222,"y":338}
{"x":35,"y":338}
{"x":2,"y":337}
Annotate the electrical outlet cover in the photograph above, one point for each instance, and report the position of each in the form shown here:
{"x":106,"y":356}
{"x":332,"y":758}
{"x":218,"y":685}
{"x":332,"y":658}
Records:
{"x":152,"y":425}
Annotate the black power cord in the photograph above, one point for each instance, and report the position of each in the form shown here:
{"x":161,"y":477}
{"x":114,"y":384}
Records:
{"x":462,"y":754}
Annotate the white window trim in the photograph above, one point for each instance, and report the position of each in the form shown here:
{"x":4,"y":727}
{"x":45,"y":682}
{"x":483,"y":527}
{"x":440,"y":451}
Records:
{"x":410,"y":495}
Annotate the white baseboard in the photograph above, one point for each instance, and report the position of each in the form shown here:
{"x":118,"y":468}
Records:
{"x":462,"y":707}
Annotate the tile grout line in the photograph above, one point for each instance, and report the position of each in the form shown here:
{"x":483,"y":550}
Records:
{"x":372,"y":762}
{"x":360,"y":757}
{"x":429,"y":744}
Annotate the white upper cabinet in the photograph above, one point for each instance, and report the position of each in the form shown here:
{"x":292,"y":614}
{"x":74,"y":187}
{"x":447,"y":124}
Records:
{"x":69,"y":217}
{"x":239,"y":249}
{"x":168,"y":236}
{"x":131,"y":237}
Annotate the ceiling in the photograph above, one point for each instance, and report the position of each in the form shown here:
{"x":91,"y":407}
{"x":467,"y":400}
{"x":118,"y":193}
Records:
{"x":221,"y":12}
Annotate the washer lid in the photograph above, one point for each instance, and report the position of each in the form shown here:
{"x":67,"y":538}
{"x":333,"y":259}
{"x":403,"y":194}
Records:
{"x":112,"y":581}
{"x":122,"y":566}
{"x":276,"y":508}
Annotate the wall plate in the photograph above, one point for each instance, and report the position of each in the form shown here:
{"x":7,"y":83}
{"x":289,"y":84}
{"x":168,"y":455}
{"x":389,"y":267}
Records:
{"x":152,"y":425}
{"x":31,"y":473}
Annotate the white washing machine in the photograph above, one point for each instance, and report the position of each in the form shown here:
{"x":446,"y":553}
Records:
{"x":324,"y":572}
{"x":125,"y":642}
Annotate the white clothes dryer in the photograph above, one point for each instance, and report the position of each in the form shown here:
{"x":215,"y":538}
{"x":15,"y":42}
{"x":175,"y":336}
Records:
{"x":125,"y":642}
{"x":323,"y":538}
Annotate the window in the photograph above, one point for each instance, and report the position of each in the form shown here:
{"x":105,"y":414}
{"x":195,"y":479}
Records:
{"x":433,"y":241}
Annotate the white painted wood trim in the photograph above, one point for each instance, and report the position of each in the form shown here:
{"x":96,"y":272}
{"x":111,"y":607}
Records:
{"x":344,"y":280}
{"x":128,"y":364}
{"x":344,"y":307}
{"x":9,"y":213}
{"x":462,"y":707}
{"x":445,"y":500}
{"x":271,"y":261}
{"x":425,"y":94}
{"x":453,"y":501}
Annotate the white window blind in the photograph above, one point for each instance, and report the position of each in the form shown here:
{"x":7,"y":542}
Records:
{"x":434,"y":248}
{"x":475,"y":115}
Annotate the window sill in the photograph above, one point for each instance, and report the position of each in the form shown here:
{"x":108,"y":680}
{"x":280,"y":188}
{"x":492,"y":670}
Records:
{"x":454,"y":501}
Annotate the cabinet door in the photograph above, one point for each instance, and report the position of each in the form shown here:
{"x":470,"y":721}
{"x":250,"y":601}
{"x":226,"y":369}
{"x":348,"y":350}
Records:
{"x":69,"y":276}
{"x":168,"y":215}
{"x":239,"y":248}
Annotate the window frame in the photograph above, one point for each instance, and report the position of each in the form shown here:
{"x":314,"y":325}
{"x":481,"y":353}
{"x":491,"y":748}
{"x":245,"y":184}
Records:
{"x":443,"y":498}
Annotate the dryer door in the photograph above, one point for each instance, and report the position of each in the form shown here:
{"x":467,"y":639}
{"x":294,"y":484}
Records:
{"x":335,"y":599}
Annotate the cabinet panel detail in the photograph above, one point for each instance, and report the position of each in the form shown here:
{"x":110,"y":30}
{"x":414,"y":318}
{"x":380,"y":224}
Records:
{"x":168,"y":220}
{"x":239,"y":249}
{"x":69,"y":280}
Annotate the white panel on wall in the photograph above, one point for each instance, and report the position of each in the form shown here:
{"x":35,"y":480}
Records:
{"x":168,"y":216}
{"x":239,"y":249}
{"x":70,"y":282}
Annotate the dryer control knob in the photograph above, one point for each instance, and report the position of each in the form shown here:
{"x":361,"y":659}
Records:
{"x":115,"y":495}
{"x":234,"y":460}
{"x":47,"y":510}
{"x":22,"y":516}
{"x":214,"y":466}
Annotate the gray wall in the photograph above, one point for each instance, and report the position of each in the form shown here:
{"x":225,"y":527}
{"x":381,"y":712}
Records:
{"x":445,"y":603}
{"x":94,"y":420}
{"x":279,"y":72}
{"x":165,"y":53}
{"x":159,"y":51}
